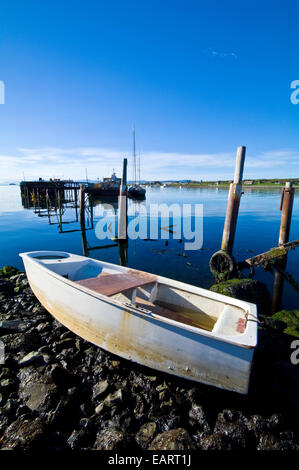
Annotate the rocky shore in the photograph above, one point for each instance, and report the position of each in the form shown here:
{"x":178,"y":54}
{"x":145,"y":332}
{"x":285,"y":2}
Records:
{"x":59,"y":392}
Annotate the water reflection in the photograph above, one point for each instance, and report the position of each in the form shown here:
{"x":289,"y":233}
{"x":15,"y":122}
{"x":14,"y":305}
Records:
{"x":62,"y":209}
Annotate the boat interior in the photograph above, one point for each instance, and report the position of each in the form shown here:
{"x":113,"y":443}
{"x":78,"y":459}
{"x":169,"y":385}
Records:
{"x":160,"y":298}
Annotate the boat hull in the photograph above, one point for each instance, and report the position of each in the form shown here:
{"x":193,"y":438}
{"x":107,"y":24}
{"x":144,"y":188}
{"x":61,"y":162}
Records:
{"x":141,"y":338}
{"x":111,"y":192}
{"x":136,"y":193}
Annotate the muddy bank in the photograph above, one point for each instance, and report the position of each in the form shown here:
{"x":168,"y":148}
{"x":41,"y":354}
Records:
{"x":59,"y":392}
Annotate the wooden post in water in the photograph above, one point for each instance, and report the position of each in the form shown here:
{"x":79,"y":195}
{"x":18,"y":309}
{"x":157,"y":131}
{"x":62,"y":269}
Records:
{"x":233,"y":203}
{"x":59,"y":209}
{"x":76,"y":203}
{"x":84,"y":241}
{"x":278,"y":285}
{"x":48,"y":204}
{"x":122,"y":205}
{"x":286,"y":205}
{"x":82,"y":206}
{"x":222,"y":262}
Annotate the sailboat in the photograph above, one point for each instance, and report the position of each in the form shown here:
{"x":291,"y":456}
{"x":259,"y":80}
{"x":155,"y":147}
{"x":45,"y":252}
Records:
{"x":136,"y":191}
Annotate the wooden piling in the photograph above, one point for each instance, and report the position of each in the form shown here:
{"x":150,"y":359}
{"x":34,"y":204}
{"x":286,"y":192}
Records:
{"x":278,"y":286}
{"x":122,"y":205}
{"x":233,"y":203}
{"x":82,"y":206}
{"x":222,"y":262}
{"x":286,"y":205}
{"x":59,"y":209}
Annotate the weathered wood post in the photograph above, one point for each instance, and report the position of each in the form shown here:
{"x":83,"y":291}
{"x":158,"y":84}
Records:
{"x":82,"y":206}
{"x":233,"y":203}
{"x":59,"y":209}
{"x":286,"y":205}
{"x":278,"y":285}
{"x":84,"y":241}
{"x":76,"y":203}
{"x":48,"y":204}
{"x":90,"y":201}
{"x":222,"y":261}
{"x":122,"y":205}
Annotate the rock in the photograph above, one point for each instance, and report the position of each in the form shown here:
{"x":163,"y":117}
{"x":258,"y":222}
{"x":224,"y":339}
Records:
{"x":77,"y":439}
{"x":100,"y":389}
{"x":8,"y":271}
{"x":216,"y":441}
{"x":257,"y":425}
{"x":111,"y":439}
{"x":66,"y":414}
{"x":37,"y":390}
{"x":65,"y":344}
{"x":290,"y":321}
{"x":163,"y":395}
{"x":32,"y":339}
{"x":6,"y":287}
{"x":162,"y":387}
{"x":7,"y":385}
{"x":11,"y":406}
{"x":175,"y":439}
{"x":114,"y":398}
{"x":33,"y":356}
{"x":62,"y":377}
{"x":270,"y":442}
{"x":198,"y":418}
{"x":146,"y":434}
{"x":249,"y":290}
{"x":14,"y":326}
{"x":166,"y":405}
{"x":115,"y":364}
{"x":24,"y":434}
{"x":99,"y":408}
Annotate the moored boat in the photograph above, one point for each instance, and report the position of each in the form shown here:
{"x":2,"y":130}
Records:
{"x":136,"y":191}
{"x":149,"y":319}
{"x":108,"y":188}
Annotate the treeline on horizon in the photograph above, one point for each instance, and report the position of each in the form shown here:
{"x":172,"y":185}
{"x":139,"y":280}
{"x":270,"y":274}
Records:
{"x":249,"y":182}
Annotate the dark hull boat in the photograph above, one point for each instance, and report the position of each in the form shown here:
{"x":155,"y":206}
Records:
{"x":136,"y":192}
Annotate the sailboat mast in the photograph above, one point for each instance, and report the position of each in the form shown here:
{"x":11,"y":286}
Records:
{"x":139,"y":168}
{"x":134,"y":155}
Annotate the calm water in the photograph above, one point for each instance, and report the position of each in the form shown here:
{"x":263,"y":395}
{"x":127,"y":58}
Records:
{"x":257,"y":230}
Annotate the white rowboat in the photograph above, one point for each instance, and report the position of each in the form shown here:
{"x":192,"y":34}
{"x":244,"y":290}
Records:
{"x":152,"y":320}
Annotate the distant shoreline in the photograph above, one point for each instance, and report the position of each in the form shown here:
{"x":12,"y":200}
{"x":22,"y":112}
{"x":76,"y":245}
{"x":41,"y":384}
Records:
{"x":206,"y":185}
{"x":226,"y":186}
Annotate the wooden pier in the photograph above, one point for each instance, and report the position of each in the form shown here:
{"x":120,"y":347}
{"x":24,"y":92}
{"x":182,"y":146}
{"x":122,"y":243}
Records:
{"x":34,"y":193}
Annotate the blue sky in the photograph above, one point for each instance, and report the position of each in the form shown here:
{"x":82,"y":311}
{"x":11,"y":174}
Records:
{"x":198,"y":78}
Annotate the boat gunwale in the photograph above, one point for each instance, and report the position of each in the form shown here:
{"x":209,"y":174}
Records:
{"x":249,"y":308}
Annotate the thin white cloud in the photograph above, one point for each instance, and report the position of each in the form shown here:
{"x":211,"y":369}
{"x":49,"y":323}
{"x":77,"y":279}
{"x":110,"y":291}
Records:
{"x":212,"y":52}
{"x":71,"y":163}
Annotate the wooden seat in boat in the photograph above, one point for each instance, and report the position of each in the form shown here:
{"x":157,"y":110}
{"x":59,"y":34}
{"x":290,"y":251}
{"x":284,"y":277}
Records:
{"x":111,"y":284}
{"x":193,"y":319}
